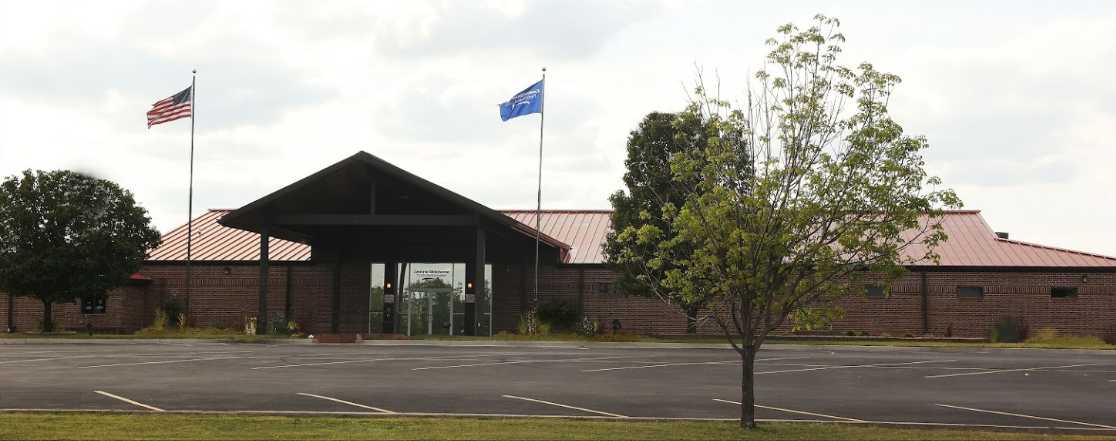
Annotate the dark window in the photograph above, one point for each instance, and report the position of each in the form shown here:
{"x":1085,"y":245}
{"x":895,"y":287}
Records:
{"x":93,"y":304}
{"x":1061,"y":292}
{"x":875,"y":291}
{"x":604,"y":288}
{"x":970,"y":292}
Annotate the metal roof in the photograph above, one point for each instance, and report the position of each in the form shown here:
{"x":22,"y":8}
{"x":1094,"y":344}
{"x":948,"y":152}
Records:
{"x":583,"y":230}
{"x":216,"y":242}
{"x":972,"y":243}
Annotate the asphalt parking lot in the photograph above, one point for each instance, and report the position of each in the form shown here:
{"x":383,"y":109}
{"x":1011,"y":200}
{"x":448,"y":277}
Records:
{"x":1072,"y":390}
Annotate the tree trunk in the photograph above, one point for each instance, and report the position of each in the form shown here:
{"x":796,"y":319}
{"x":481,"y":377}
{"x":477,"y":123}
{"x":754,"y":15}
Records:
{"x":48,"y":317}
{"x":747,"y":388}
{"x":691,"y":319}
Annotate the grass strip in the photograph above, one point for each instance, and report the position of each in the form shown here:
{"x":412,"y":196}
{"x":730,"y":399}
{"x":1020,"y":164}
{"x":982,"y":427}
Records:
{"x":84,"y":426}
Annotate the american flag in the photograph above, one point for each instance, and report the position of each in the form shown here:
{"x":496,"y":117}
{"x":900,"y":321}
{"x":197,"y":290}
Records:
{"x":171,"y":108}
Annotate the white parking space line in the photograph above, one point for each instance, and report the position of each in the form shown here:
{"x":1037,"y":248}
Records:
{"x":132,"y":402}
{"x":47,"y":359}
{"x":323,"y":397}
{"x":661,"y":365}
{"x":696,"y":363}
{"x":615,"y":415}
{"x":875,"y":365}
{"x":1000,"y":371}
{"x":501,"y":363}
{"x":1026,"y":416}
{"x":800,"y":412}
{"x":363,"y":360}
{"x":140,"y":363}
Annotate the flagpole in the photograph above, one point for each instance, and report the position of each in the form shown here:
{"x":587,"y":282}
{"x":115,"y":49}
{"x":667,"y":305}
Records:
{"x":538,"y":201}
{"x":190,"y":198}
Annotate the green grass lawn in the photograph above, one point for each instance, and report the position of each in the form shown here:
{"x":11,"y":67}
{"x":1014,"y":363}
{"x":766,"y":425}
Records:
{"x":234,"y":427}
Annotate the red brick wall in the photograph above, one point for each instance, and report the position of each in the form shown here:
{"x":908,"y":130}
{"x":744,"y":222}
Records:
{"x":226,"y":300}
{"x":125,"y":311}
{"x":218,"y":299}
{"x":1022,"y":295}
{"x":1026,"y":296}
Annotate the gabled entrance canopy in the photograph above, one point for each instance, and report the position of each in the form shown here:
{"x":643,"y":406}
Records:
{"x":365,"y":206}
{"x":364,"y":210}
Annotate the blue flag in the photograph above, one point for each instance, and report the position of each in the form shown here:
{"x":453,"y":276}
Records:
{"x":530,"y":100}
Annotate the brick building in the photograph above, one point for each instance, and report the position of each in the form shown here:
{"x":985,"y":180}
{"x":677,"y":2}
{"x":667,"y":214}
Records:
{"x":365,"y":247}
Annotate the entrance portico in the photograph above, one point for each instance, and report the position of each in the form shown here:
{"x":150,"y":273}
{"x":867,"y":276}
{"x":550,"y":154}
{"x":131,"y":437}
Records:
{"x":424,"y":252}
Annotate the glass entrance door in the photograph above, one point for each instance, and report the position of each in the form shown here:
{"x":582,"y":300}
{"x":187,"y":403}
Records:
{"x":433,"y":300}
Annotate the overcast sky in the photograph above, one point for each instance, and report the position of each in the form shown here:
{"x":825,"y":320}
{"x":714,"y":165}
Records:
{"x":1016,"y":98}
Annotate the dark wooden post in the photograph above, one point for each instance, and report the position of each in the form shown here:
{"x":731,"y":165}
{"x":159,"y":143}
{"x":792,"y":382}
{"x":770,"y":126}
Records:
{"x":261,"y":319}
{"x":471,"y":309}
{"x":335,"y":319}
{"x":479,"y":281}
{"x":391,"y":269}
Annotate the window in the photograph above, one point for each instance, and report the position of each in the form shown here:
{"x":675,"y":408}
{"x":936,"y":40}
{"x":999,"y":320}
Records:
{"x":604,"y":288}
{"x":1061,"y":292}
{"x":875,"y":291}
{"x":970,"y":292}
{"x":93,"y":304}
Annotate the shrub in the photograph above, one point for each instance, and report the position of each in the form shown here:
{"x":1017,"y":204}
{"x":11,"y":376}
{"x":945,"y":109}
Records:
{"x":588,"y":327}
{"x":529,"y":323}
{"x":559,"y":314}
{"x":1050,"y":336}
{"x":159,"y":323}
{"x":174,"y":313}
{"x":1042,"y":335}
{"x":814,"y":319}
{"x":1008,"y":330}
{"x":282,"y":326}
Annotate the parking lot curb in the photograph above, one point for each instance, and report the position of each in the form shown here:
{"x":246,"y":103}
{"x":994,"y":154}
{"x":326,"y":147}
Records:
{"x":542,"y":344}
{"x":140,"y":341}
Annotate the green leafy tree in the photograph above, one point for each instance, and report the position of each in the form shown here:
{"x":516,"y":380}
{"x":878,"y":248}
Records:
{"x":64,"y":235}
{"x":649,"y":184}
{"x":822,"y":192}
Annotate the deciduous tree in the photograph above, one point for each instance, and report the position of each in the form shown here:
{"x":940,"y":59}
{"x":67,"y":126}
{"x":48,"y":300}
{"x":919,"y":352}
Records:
{"x":649,"y":184}
{"x":799,"y":194}
{"x":64,"y":235}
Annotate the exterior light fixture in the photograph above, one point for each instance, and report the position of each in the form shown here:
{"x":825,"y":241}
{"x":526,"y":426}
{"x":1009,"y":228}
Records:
{"x":227,"y":270}
{"x":469,"y":285}
{"x":1084,"y":278}
{"x":387,"y":285}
